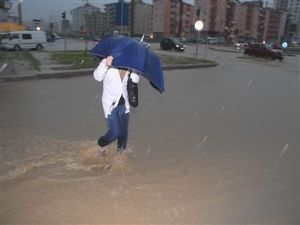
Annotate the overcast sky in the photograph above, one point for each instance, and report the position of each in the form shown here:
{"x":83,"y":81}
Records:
{"x":45,"y":9}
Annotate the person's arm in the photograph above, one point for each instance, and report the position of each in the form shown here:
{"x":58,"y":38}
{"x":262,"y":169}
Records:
{"x":102,"y":68}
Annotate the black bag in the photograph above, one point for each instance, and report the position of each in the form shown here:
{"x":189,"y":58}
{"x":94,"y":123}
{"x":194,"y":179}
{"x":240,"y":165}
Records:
{"x":132,"y":90}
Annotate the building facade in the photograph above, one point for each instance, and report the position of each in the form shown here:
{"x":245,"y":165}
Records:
{"x":4,"y":7}
{"x":274,"y":26}
{"x":292,"y":23}
{"x":88,"y":19}
{"x":292,"y":7}
{"x":10,"y":11}
{"x":219,"y":18}
{"x":236,"y":20}
{"x":253,"y":24}
{"x":187,"y":20}
{"x":172,"y":18}
{"x":117,"y":17}
{"x":140,"y":18}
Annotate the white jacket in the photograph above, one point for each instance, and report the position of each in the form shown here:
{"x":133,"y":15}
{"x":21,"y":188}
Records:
{"x":113,"y":87}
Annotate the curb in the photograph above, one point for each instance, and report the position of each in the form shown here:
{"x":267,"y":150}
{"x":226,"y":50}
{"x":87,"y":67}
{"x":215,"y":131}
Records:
{"x":189,"y":66}
{"x":60,"y":74}
{"x":83,"y":72}
{"x":225,"y":50}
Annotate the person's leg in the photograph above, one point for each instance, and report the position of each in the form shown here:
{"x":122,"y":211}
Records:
{"x":113,"y":129}
{"x":124,"y":123}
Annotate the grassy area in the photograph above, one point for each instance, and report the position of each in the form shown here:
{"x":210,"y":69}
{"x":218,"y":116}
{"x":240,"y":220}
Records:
{"x":76,"y":59}
{"x":27,"y":56}
{"x":9,"y":57}
{"x":81,"y":59}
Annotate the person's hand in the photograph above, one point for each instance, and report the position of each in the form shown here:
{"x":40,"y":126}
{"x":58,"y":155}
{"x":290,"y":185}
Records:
{"x":109,"y":60}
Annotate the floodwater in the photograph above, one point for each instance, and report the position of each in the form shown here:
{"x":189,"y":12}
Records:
{"x":221,"y":146}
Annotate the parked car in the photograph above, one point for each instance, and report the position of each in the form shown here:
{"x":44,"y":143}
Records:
{"x":172,"y":43}
{"x":239,"y":45}
{"x":19,"y":40}
{"x":261,"y":50}
{"x":212,"y":40}
{"x":295,"y":44}
{"x":56,"y":36}
{"x":50,"y":37}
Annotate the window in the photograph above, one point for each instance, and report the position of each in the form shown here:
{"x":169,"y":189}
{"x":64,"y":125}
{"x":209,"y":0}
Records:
{"x":14,"y":36}
{"x":26,"y":36}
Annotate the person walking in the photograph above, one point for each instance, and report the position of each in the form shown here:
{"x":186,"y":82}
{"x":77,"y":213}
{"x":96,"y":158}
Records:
{"x":115,"y":102}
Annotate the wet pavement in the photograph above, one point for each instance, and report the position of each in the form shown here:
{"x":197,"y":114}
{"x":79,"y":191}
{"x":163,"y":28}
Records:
{"x":221,"y":146}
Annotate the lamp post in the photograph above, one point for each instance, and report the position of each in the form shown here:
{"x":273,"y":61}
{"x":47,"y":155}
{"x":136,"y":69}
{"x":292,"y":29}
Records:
{"x":198,"y":27}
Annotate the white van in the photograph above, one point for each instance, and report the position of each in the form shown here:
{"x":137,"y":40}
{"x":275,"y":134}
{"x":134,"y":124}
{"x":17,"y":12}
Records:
{"x":19,"y":40}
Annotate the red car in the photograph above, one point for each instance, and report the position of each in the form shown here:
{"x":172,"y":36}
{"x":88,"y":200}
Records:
{"x":261,"y":50}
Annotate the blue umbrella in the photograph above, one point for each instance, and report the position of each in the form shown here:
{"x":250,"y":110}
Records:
{"x":133,"y":55}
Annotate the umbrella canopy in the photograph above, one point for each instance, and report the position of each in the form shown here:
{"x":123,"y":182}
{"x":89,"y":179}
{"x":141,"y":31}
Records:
{"x":133,"y":55}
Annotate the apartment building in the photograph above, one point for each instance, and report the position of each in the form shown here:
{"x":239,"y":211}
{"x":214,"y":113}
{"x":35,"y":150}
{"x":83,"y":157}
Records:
{"x":88,"y":18}
{"x":6,"y":13}
{"x":212,"y":13}
{"x":236,"y":20}
{"x":274,"y":25}
{"x":219,"y":18}
{"x":140,"y":18}
{"x":292,"y":26}
{"x":253,"y":21}
{"x":187,"y":20}
{"x":117,"y":17}
{"x":172,"y":18}
{"x":292,"y":7}
{"x":95,"y":23}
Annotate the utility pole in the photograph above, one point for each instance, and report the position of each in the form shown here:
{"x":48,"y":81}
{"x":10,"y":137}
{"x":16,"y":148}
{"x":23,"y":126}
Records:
{"x":20,"y":13}
{"x":63,"y":16}
{"x":86,"y":23}
{"x":132,"y":18}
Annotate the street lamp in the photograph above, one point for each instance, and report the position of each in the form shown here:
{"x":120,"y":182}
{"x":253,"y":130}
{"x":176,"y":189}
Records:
{"x":198,"y":27}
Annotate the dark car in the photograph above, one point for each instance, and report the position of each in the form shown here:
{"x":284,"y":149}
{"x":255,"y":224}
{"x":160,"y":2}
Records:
{"x":50,"y":37}
{"x":261,"y":50}
{"x":172,"y":43}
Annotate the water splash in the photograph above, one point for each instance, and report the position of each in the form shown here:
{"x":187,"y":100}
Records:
{"x":66,"y":160}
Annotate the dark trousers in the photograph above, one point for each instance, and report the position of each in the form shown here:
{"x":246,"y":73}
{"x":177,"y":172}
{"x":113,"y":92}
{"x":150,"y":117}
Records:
{"x":117,"y":123}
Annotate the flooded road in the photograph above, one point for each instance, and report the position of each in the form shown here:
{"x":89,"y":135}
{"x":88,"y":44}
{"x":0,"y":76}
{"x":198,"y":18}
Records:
{"x":221,"y":146}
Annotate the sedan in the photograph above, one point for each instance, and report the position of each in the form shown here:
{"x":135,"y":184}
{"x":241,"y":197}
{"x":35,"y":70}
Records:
{"x":261,"y":50}
{"x":172,"y":43}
